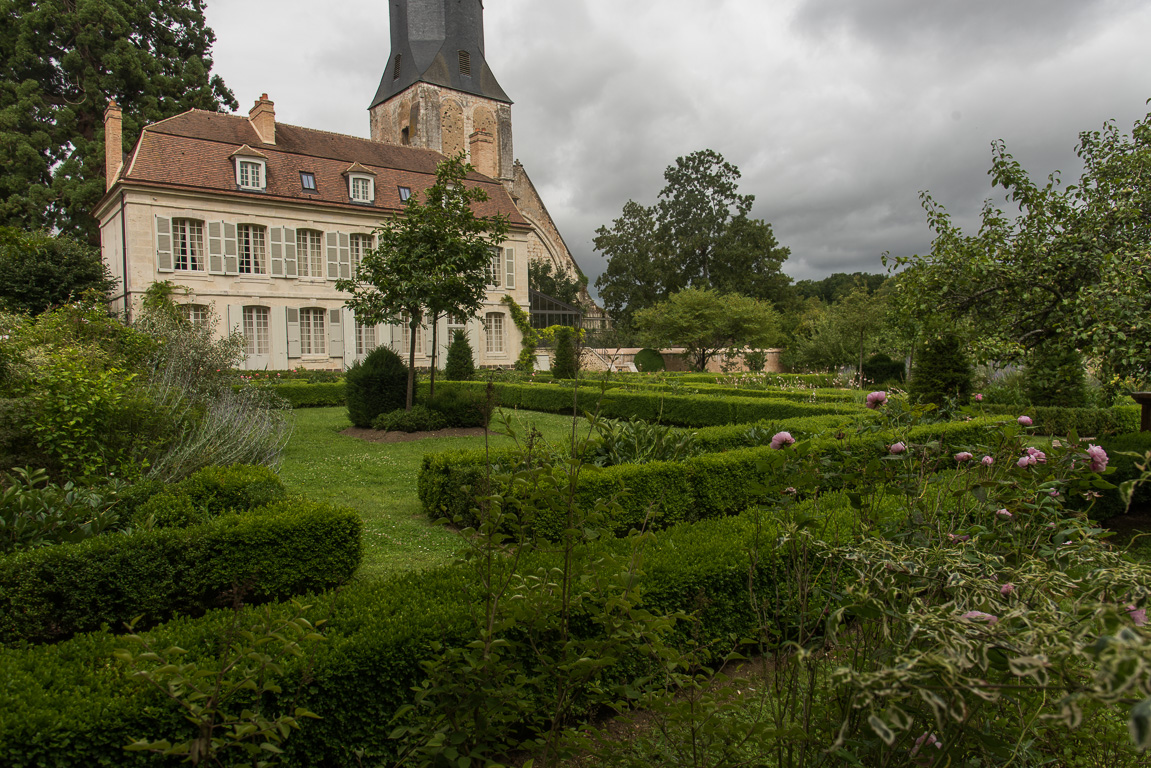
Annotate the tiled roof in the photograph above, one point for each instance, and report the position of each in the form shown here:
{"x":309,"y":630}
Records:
{"x":193,"y":151}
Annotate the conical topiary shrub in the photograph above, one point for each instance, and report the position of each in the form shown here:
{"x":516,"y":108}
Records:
{"x":461,"y":365}
{"x":941,"y":372}
{"x":1055,"y":375}
{"x":564,"y":361}
{"x":377,"y":384}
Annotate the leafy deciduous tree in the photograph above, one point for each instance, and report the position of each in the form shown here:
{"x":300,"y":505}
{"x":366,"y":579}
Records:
{"x":704,"y":322}
{"x":433,"y":259}
{"x":61,"y":61}
{"x":41,"y":271}
{"x":554,"y":282}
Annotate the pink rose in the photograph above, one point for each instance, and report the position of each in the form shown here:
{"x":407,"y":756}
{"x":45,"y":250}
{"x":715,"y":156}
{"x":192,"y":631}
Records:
{"x":1039,"y":456}
{"x":1005,"y":514}
{"x":987,"y":461}
{"x":1138,"y":615}
{"x":1024,"y":462}
{"x":1098,"y":458}
{"x":1007,"y":589}
{"x":896,"y":448}
{"x":962,"y":456}
{"x":781,"y":439}
{"x":876,"y":399}
{"x":978,"y":398}
{"x":1024,"y":420}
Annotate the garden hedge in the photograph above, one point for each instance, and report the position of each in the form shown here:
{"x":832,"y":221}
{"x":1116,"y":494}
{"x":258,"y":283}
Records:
{"x":660,"y":493}
{"x":72,"y":705}
{"x":301,"y":394}
{"x":285,"y":548}
{"x":1110,"y":503}
{"x":678,"y":410}
{"x":1086,"y":422}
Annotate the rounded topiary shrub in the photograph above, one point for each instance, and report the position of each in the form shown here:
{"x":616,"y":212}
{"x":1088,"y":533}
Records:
{"x":941,"y":372}
{"x":461,"y":363}
{"x":649,"y":361}
{"x":419,"y":419}
{"x":461,"y":408}
{"x":1055,"y":375}
{"x":564,"y":362}
{"x":880,"y":368}
{"x":377,"y":384}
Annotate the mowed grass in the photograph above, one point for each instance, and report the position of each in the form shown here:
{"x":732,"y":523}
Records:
{"x":379,"y":481}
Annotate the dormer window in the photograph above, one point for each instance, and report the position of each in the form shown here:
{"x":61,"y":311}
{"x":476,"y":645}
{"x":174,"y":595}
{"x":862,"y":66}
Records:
{"x":251,"y":169}
{"x":405,"y":193}
{"x":361,"y":189}
{"x":308,"y":181}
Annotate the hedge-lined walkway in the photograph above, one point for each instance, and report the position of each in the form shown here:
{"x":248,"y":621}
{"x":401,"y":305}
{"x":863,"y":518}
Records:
{"x":379,"y":481}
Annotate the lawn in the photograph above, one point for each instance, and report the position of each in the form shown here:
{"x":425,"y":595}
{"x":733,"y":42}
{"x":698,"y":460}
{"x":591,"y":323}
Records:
{"x":379,"y":481}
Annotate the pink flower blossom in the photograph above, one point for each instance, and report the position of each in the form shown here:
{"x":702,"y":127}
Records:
{"x":926,"y":740}
{"x":1024,"y":462}
{"x":896,"y":448}
{"x":1138,"y":615}
{"x":1098,"y":458}
{"x":1053,"y":493}
{"x":1007,"y":589}
{"x":781,"y":440}
{"x":980,"y":616}
{"x":978,"y":398}
{"x":876,"y":399}
{"x":1039,"y":456}
{"x":962,"y":456}
{"x":1024,"y":420}
{"x":987,"y":461}
{"x":953,"y":537}
{"x":1005,"y":514}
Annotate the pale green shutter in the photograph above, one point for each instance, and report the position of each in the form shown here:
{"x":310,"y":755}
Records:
{"x":215,"y":247}
{"x":163,"y":244}
{"x":510,"y":260}
{"x":290,"y":252}
{"x":276,"y":249}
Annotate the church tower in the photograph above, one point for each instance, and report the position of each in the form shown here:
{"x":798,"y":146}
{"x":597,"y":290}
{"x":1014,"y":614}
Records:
{"x":438,"y":92}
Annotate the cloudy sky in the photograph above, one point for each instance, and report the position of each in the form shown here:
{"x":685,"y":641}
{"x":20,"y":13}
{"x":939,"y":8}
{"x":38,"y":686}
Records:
{"x":837,"y":112}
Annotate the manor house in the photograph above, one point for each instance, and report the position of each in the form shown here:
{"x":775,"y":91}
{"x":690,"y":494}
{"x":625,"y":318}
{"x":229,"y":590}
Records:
{"x":259,"y":218}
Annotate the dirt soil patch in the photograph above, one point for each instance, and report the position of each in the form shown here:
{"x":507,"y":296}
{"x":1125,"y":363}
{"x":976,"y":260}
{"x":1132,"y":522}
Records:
{"x":379,"y":436}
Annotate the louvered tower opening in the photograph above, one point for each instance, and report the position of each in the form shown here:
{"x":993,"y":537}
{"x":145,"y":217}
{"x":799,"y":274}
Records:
{"x":396,"y":71}
{"x":465,"y":63}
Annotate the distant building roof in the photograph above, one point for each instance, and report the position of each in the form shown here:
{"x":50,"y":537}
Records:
{"x":193,"y":150}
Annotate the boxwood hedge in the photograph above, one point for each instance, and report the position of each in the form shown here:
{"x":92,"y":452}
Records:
{"x":285,"y":548}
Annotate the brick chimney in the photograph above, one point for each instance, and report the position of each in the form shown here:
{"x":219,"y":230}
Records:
{"x":263,"y":119}
{"x":113,"y":142}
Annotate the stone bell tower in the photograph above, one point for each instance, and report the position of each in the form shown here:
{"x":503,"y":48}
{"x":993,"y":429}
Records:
{"x":438,"y":92}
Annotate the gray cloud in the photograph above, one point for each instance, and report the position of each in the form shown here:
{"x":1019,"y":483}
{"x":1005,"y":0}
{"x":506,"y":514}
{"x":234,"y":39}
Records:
{"x":838,"y":112}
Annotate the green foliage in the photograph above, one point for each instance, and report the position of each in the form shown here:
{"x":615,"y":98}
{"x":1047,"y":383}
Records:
{"x":1055,"y":376}
{"x":461,"y":407}
{"x":1110,"y":502}
{"x":1094,"y":422}
{"x":1069,"y":265}
{"x":880,"y":368}
{"x":227,"y":703}
{"x":60,"y":65}
{"x":418,"y":418}
{"x":37,"y":513}
{"x":377,"y":384}
{"x":460,"y":365}
{"x":301,"y":394}
{"x":698,"y":233}
{"x":272,"y":552}
{"x":42,"y":271}
{"x":704,"y":322}
{"x":432,"y":260}
{"x":555,"y":282}
{"x":836,"y":286}
{"x":565,"y":362}
{"x":648,"y":360}
{"x":840,"y":334}
{"x":637,"y":442}
{"x":529,"y":338}
{"x":941,"y":371}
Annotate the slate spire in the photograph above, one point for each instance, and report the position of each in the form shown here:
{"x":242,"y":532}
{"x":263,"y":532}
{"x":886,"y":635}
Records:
{"x":439,"y":42}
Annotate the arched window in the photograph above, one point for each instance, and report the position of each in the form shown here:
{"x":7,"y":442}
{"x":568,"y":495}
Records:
{"x":310,"y":252}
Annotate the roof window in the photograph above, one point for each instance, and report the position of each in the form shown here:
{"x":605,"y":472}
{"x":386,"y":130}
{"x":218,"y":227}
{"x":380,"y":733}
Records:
{"x":308,"y":181}
{"x":405,"y":193}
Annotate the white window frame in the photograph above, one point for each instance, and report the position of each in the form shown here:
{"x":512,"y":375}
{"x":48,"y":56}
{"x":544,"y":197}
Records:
{"x":370,"y":189}
{"x":494,"y":333}
{"x":257,"y":330}
{"x":196,"y":314}
{"x":244,"y":180}
{"x":188,"y":253}
{"x":310,"y":253}
{"x":367,"y":339}
{"x":252,"y":251}
{"x":313,"y":331}
{"x":495,"y":267}
{"x":360,"y":244}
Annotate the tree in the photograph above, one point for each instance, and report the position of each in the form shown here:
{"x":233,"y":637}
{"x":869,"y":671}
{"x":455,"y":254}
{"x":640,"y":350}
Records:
{"x":555,"y":282}
{"x":697,"y":234}
{"x":41,"y":271}
{"x":1072,"y":262}
{"x":841,"y":334}
{"x":835,"y":286}
{"x":565,"y":363}
{"x":942,"y":370}
{"x":460,"y":366}
{"x":431,"y":260}
{"x":60,"y":64}
{"x":704,"y":322}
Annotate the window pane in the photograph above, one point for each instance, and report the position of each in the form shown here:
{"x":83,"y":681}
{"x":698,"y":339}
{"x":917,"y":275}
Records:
{"x":312,"y":338}
{"x":310,"y":254}
{"x":188,"y":236}
{"x":251,"y":240}
{"x":256,"y":338}
{"x":494,"y":331}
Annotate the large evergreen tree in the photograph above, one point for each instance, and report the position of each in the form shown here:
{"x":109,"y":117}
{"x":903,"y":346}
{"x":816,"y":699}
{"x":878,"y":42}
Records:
{"x":61,"y":61}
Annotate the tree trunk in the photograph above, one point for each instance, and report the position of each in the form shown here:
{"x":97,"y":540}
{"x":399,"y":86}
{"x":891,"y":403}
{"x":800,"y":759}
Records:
{"x":435,"y":353}
{"x":412,"y":326}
